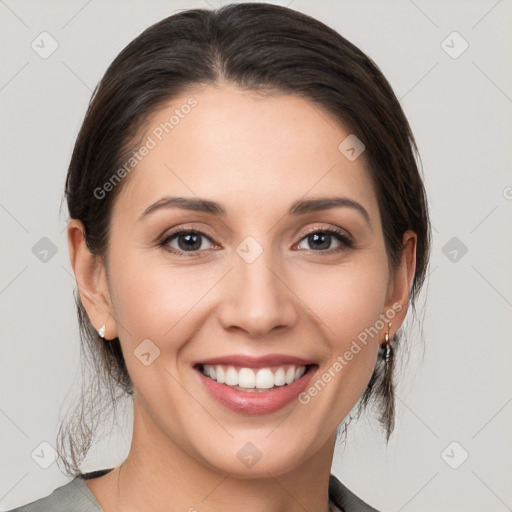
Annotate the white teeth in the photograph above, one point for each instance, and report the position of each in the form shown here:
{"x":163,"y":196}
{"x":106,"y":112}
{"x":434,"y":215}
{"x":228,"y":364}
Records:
{"x":280,"y":377}
{"x":290,"y":375}
{"x":221,"y":376}
{"x":231,"y":376}
{"x":246,"y":378}
{"x":264,"y":378}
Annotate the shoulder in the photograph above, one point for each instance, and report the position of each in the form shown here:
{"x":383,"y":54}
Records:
{"x":74,"y":496}
{"x":345,"y":499}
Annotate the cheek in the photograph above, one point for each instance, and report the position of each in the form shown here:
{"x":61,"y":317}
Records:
{"x":349,"y":300}
{"x":150,"y":299}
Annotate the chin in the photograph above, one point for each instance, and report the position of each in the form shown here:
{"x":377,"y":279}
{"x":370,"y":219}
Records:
{"x":252,"y":460}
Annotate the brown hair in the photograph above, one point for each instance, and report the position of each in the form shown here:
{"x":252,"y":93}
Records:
{"x":256,"y":46}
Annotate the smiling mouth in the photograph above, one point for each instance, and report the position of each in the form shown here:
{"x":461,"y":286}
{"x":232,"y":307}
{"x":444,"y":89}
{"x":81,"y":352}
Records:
{"x":257,"y":380}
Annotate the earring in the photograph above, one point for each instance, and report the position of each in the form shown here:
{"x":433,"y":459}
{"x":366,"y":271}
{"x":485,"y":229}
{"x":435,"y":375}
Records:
{"x":387,"y":386}
{"x":388,"y":349}
{"x":101,"y":331}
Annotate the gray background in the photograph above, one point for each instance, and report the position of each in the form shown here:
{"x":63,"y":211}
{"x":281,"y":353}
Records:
{"x":455,"y":386}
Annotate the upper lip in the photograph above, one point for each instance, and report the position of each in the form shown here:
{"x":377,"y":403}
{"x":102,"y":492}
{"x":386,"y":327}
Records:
{"x":256,"y":362}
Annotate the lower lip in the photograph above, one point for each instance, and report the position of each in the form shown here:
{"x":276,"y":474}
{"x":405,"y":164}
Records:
{"x":256,"y":402}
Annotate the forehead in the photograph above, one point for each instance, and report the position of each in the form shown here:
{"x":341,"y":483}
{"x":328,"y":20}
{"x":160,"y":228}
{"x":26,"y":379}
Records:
{"x":250,"y":151}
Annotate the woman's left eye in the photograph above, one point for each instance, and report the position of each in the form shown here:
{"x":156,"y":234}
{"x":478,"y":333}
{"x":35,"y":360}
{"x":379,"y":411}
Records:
{"x":322,"y":238}
{"x":191,"y":241}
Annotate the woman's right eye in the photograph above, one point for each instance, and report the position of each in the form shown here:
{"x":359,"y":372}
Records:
{"x":185,"y":240}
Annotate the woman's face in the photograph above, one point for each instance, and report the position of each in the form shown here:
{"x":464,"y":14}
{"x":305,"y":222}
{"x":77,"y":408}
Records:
{"x":254,"y":282}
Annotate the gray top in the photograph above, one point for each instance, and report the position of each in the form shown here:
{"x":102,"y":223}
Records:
{"x":75,"y":496}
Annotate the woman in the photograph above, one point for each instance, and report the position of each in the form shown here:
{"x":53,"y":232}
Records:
{"x":248,"y":229}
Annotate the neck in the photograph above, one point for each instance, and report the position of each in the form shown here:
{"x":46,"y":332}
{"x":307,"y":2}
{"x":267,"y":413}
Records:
{"x":159,"y":472}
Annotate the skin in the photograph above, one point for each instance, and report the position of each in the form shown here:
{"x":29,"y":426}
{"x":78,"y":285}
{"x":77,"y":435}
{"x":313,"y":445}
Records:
{"x":255,"y":155}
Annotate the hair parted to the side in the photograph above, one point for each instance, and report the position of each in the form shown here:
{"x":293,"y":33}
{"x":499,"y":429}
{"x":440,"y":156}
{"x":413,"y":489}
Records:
{"x":255,"y":46}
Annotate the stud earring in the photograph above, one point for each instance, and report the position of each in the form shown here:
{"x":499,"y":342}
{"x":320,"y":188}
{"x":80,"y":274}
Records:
{"x":101,"y":331}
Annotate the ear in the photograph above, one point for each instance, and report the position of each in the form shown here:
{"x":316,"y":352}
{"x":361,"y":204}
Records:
{"x":91,"y":280}
{"x":400,"y":283}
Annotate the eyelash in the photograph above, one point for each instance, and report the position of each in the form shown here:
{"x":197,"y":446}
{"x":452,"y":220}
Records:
{"x":346,"y":241}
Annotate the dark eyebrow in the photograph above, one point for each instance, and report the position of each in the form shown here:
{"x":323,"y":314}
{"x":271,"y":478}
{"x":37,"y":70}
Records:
{"x":300,"y":207}
{"x":186,"y":203}
{"x":328,"y":203}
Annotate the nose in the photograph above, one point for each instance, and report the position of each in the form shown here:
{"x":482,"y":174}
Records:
{"x":256,"y":298}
